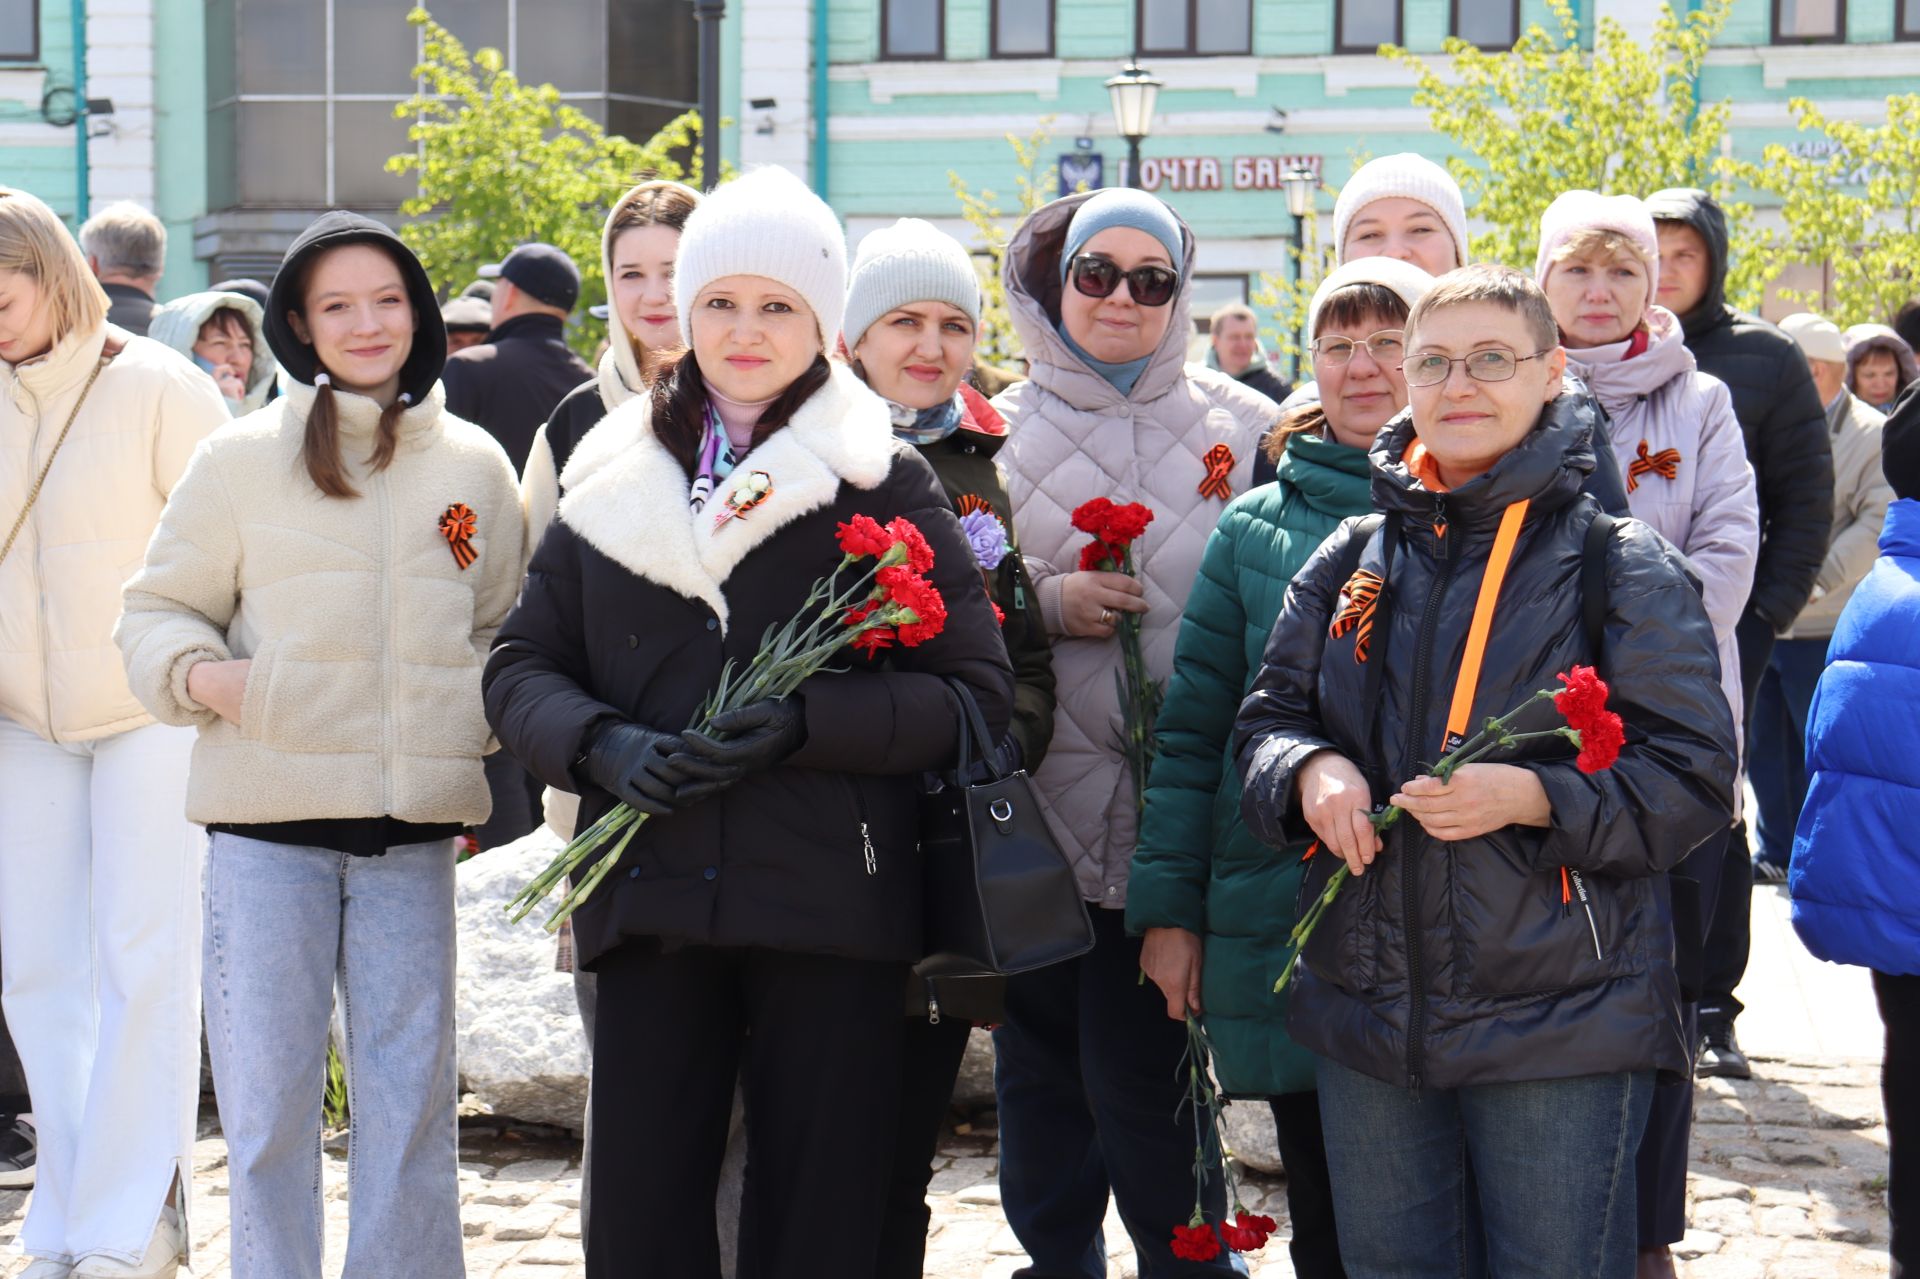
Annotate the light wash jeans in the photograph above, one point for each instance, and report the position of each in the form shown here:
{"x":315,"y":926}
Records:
{"x":99,"y":876}
{"x":285,"y":923}
{"x":1524,"y":1180}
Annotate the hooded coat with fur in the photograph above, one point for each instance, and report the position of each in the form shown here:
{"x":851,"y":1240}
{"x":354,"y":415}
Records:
{"x":633,"y":606}
{"x":177,"y":324}
{"x":1073,"y":437}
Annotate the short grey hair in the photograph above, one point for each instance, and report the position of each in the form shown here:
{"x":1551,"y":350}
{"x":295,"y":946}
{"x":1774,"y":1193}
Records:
{"x":1232,"y":311}
{"x":126,"y":238}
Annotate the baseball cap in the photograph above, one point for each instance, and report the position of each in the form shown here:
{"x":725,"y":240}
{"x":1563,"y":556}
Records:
{"x":467,"y":313}
{"x":542,"y":271}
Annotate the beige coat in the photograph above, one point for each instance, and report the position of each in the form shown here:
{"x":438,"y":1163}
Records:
{"x":366,"y":635}
{"x":1860,"y":497}
{"x":1073,"y":437}
{"x":60,"y":675}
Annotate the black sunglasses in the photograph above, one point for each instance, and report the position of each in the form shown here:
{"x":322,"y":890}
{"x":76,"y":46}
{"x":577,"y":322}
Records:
{"x":1098,"y":278}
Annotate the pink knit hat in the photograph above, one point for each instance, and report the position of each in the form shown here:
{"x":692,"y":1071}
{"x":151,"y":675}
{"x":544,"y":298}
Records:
{"x":1576,"y":211}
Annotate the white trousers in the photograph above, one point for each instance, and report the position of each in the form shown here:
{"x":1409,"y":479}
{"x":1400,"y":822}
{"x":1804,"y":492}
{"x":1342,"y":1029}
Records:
{"x":100,"y":974}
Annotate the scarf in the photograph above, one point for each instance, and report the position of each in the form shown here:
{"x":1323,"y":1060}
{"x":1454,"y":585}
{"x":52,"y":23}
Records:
{"x":1121,"y":376}
{"x":927,"y":426}
{"x":716,"y":459}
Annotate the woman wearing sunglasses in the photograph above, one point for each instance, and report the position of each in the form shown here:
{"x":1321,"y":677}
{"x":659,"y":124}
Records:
{"x":1492,"y":994}
{"x":1199,"y":878}
{"x":1680,"y":445}
{"x":1098,"y":288}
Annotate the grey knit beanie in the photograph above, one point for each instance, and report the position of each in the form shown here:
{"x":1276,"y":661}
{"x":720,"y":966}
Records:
{"x":910,"y":261}
{"x":765,"y":223}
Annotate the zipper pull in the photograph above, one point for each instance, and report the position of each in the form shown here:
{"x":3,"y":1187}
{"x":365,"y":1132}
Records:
{"x":1440,"y":515}
{"x":866,"y":847}
{"x":1566,"y":895}
{"x":1580,"y":887}
{"x":933,"y":1006}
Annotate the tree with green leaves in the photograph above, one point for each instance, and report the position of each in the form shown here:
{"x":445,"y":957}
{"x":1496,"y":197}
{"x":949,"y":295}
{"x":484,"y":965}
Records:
{"x":1032,"y":188}
{"x":1549,"y":116}
{"x":1851,"y":205}
{"x":500,"y":162}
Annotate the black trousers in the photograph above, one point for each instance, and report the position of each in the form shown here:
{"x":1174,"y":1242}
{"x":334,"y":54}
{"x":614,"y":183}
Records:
{"x":816,"y":1040}
{"x":930,"y":1062}
{"x":1900,"y":1091}
{"x":1315,"y":1248}
{"x":13,"y":1077}
{"x":1730,"y":928}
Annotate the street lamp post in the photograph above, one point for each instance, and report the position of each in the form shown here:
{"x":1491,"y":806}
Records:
{"x":1134,"y":92}
{"x":706,"y":16}
{"x":1300,"y":182}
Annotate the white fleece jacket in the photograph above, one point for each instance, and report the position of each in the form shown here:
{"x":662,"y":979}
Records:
{"x":366,"y":633}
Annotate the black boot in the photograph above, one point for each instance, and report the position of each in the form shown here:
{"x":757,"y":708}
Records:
{"x":1720,"y":1055}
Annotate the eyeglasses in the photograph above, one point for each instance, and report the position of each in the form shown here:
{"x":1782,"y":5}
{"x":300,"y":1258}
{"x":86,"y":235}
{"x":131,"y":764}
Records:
{"x":1495,"y":364}
{"x":1098,"y":278}
{"x":1386,"y":346}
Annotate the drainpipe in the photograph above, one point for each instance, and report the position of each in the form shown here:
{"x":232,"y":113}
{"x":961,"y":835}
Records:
{"x":818,"y":160}
{"x":83,"y":179}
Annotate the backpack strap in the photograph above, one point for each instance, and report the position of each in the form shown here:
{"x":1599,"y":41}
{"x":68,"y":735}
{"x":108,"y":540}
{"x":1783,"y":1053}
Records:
{"x":1593,"y":582}
{"x":1357,"y":545}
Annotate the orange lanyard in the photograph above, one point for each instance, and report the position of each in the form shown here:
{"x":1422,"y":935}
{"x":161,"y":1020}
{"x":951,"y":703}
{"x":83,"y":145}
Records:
{"x":1468,"y":682}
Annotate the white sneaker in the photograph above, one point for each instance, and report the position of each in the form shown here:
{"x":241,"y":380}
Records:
{"x":47,"y":1268}
{"x":165,"y":1251}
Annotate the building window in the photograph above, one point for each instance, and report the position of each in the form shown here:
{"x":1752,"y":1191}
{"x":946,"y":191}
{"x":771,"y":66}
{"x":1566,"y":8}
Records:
{"x":1908,"y":22}
{"x":19,"y":30}
{"x":1024,"y":28}
{"x":913,"y":29}
{"x":1487,"y":24}
{"x":1361,"y":26}
{"x":1182,"y":28}
{"x":1809,"y":21}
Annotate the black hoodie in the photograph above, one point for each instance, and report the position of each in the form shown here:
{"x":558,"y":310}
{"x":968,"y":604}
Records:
{"x":331,"y":231}
{"x":1785,"y":426}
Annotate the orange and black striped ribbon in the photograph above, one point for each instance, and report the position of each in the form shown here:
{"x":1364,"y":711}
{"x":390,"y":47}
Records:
{"x":971,"y":503}
{"x":1362,"y":592}
{"x":1665,"y":464}
{"x":458,"y":526}
{"x":1219,"y":460}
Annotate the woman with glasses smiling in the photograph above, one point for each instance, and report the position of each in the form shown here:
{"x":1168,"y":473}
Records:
{"x":1493,"y":994}
{"x":1098,"y":287}
{"x":1216,"y":905}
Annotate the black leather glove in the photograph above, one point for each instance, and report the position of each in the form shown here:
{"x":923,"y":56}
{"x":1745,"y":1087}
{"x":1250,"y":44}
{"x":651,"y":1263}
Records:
{"x":739,"y":742}
{"x":635,"y":764}
{"x":1007,"y":756}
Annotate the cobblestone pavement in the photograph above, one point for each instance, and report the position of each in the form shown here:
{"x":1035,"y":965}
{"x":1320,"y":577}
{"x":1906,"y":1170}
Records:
{"x":1787,"y":1182}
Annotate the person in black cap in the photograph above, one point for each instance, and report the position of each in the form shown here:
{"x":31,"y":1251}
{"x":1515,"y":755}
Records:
{"x":510,"y":383}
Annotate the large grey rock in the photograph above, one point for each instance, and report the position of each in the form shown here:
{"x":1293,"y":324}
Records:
{"x":521,"y":1049}
{"x":1250,"y":1136}
{"x":973,"y":1089}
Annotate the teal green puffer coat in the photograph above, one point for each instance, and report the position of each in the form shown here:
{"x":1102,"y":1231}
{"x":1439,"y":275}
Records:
{"x":1196,"y":867}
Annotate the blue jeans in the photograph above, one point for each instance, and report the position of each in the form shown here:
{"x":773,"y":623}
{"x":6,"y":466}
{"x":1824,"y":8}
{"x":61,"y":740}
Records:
{"x":1516,"y":1180}
{"x":1776,"y":743}
{"x":283,"y":925}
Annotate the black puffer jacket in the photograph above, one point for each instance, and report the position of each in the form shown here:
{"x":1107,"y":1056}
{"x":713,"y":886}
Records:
{"x":1785,"y":426}
{"x":633,"y":604}
{"x":1456,"y":963}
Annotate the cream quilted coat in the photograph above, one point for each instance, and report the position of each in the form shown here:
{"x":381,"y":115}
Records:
{"x":1074,"y":437}
{"x":60,"y":674}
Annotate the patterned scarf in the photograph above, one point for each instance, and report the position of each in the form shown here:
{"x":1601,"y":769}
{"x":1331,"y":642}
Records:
{"x":927,"y":426}
{"x":716,"y":460}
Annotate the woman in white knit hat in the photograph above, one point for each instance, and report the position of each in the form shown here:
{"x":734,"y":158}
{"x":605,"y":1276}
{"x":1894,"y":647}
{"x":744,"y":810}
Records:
{"x":770,"y":908}
{"x":1676,"y":437}
{"x":913,"y":317}
{"x":1402,"y":206}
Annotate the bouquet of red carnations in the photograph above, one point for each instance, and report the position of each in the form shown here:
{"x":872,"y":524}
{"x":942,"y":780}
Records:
{"x":1199,"y":1239}
{"x":889,"y":601}
{"x":1115,"y":527}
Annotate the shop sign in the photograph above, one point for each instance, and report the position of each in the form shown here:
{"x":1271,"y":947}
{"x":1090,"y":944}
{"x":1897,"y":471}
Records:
{"x":1208,"y":173}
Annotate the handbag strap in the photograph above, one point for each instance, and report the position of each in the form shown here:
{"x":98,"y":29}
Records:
{"x":107,"y":352}
{"x":973,"y":728}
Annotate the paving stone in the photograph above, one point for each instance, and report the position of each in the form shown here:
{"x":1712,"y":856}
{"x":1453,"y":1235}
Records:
{"x":535,"y":1170}
{"x":532,"y":1222}
{"x":1785,"y":1221}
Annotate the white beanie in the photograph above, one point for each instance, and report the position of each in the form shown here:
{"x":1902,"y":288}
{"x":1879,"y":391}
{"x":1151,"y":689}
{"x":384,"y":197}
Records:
{"x":1818,"y":339}
{"x":911,"y":261}
{"x":1406,"y":280}
{"x":765,"y":223}
{"x":1574,"y":211}
{"x":1405,"y":176}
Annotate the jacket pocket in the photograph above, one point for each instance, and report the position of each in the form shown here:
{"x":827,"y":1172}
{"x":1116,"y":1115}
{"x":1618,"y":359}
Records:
{"x":312,"y":707}
{"x":1344,"y":949}
{"x":253,"y":700}
{"x":1520,"y":931}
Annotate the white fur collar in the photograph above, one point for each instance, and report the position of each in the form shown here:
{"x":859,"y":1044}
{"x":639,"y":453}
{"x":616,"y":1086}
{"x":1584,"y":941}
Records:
{"x":628,"y":496}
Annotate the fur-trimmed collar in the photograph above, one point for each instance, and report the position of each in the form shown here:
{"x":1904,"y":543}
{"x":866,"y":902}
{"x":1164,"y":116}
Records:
{"x":628,"y":496}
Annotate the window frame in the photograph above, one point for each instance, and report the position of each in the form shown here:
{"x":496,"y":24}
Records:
{"x":31,"y":57}
{"x":1453,"y":25}
{"x":939,"y":29}
{"x":1901,"y":31}
{"x":1192,"y":47}
{"x":993,"y":30}
{"x":1341,"y":44}
{"x":1839,"y":35}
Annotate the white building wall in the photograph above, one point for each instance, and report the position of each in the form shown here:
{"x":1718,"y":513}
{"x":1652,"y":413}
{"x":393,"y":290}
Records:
{"x":776,"y":60}
{"x":120,"y":67}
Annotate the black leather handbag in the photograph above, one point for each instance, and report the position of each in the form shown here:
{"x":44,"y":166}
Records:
{"x":999,"y":897}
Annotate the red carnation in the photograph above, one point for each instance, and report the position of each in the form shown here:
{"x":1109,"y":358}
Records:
{"x":1125,"y":523}
{"x":1247,"y":1232}
{"x":862,"y":535}
{"x":908,"y":590}
{"x":1584,"y":696}
{"x":1600,"y":732}
{"x":1600,"y":741}
{"x":1098,"y":557}
{"x":1195,"y":1243}
{"x":919,"y":554}
{"x":1091,"y":516}
{"x":873,"y":640}
{"x":999,"y":614}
